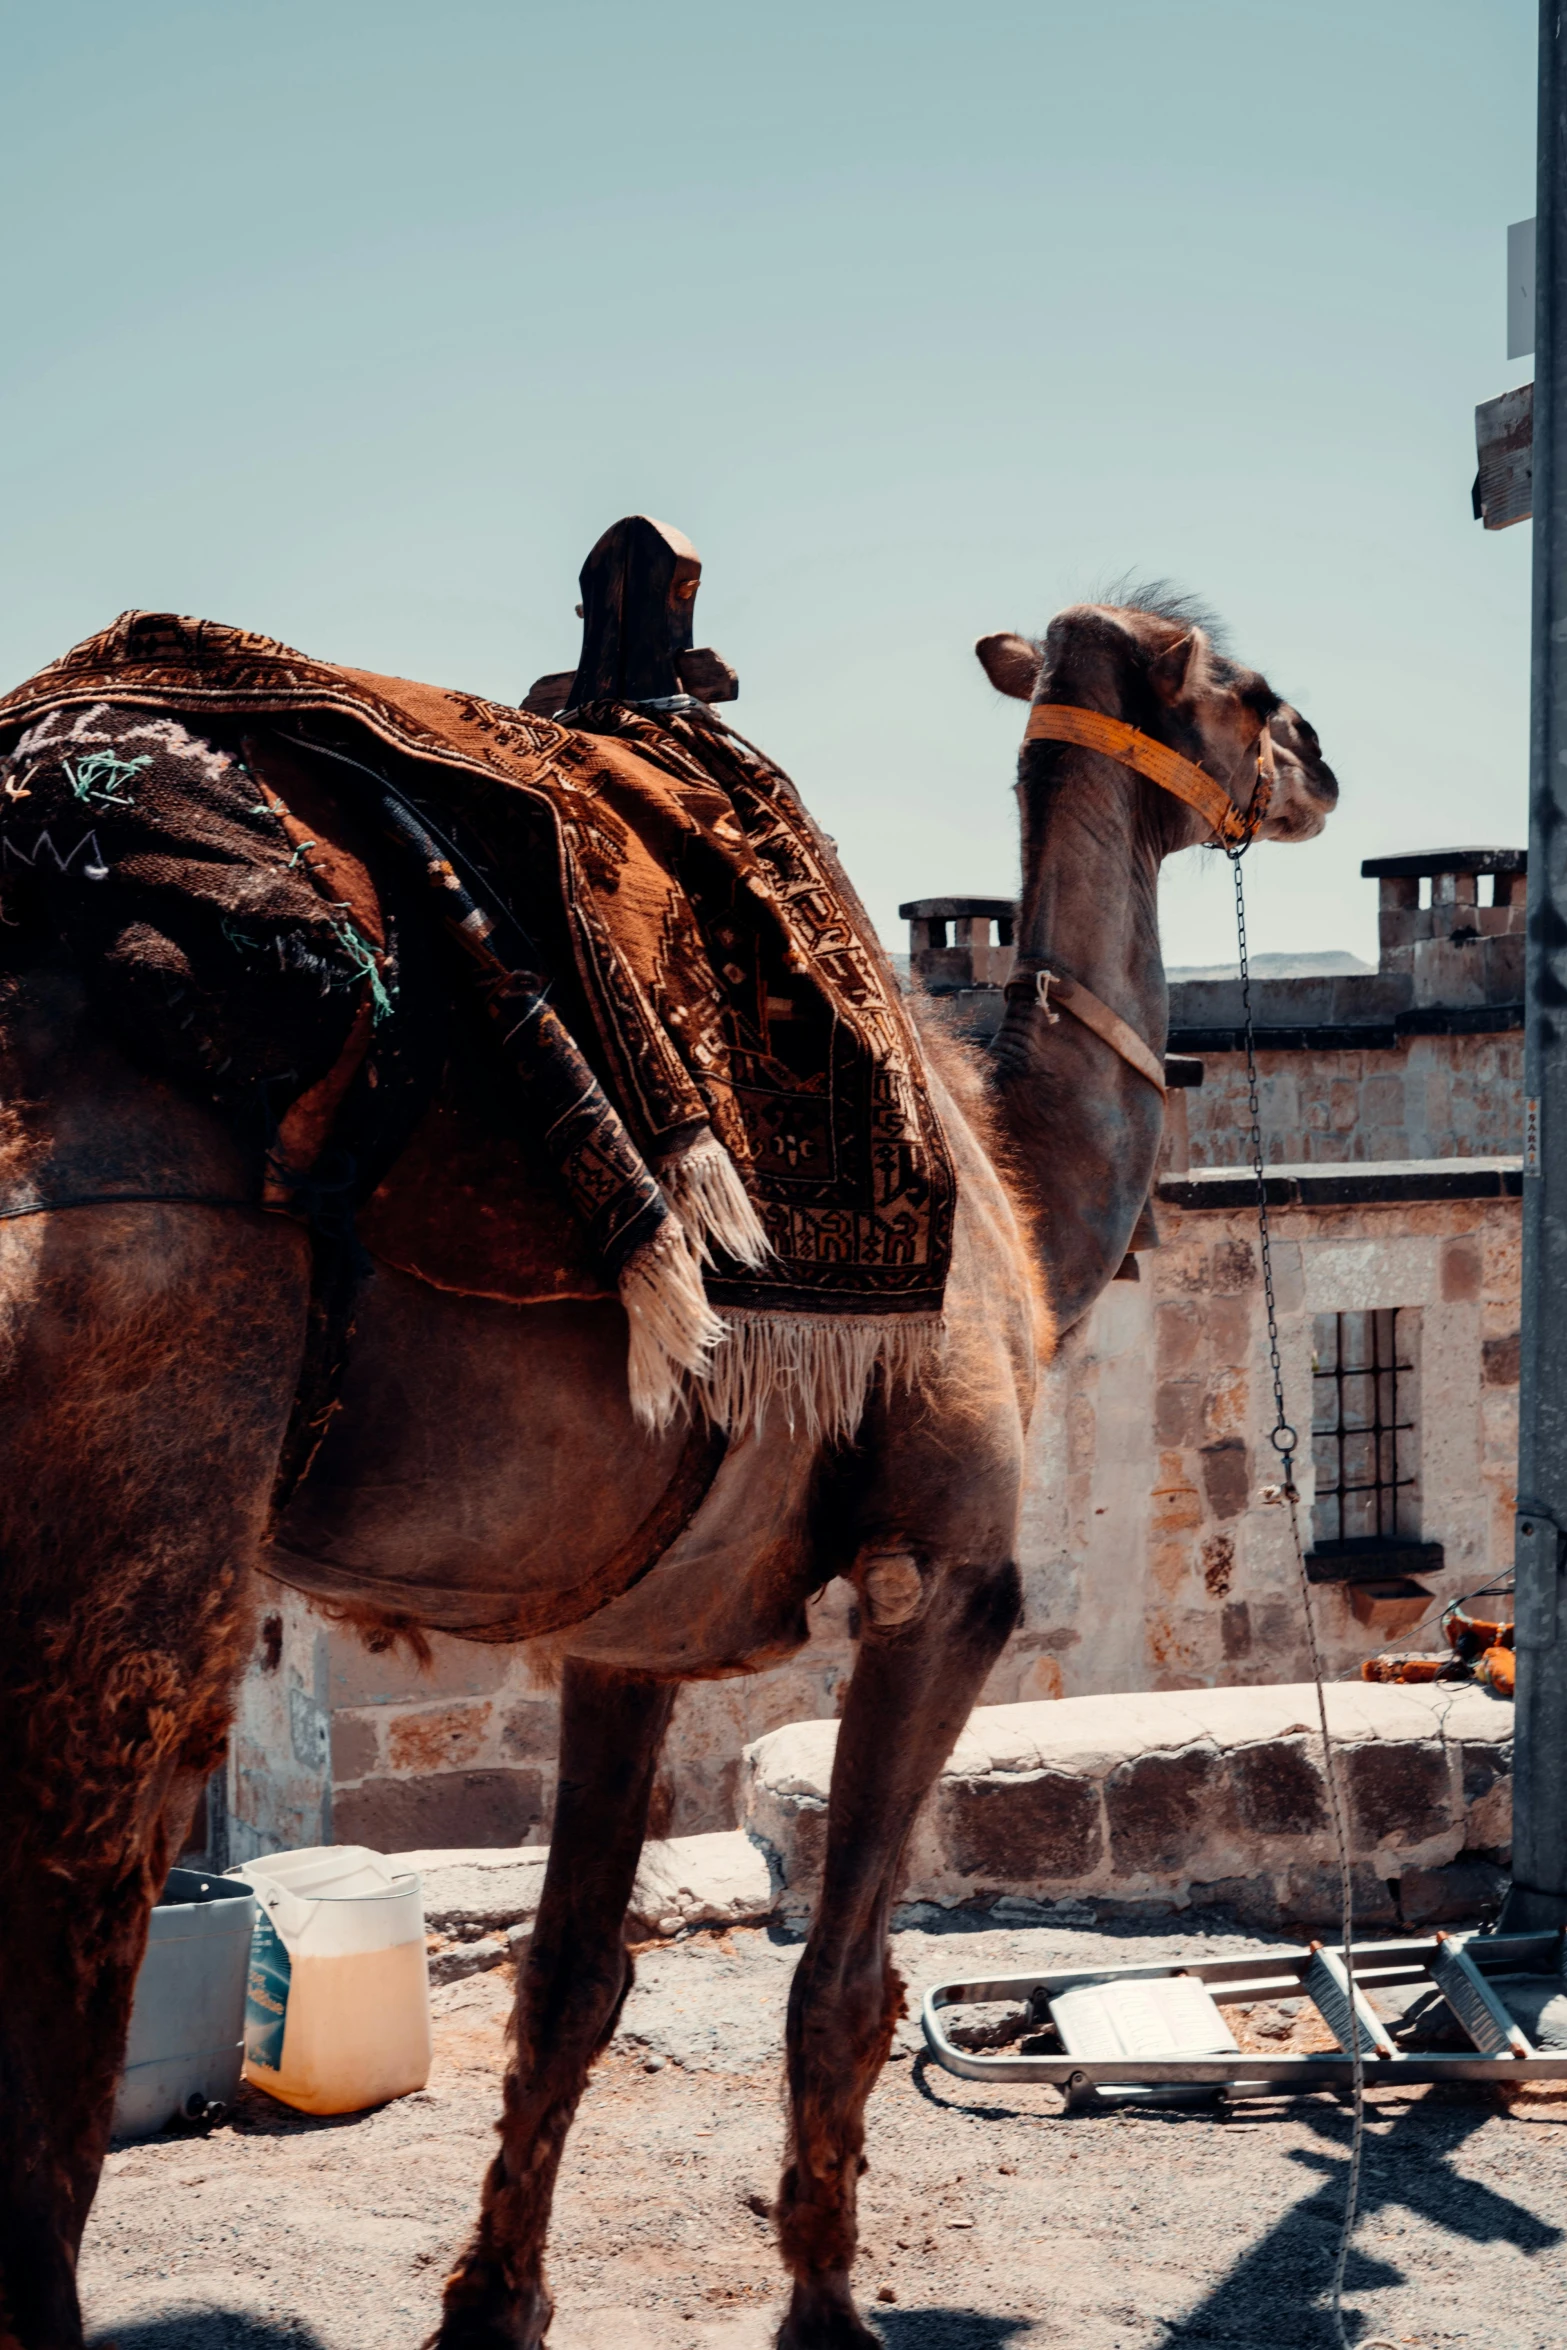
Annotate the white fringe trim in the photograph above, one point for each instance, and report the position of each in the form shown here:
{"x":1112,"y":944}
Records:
{"x":704,"y":1188}
{"x":674,"y":1331}
{"x":817,"y":1368}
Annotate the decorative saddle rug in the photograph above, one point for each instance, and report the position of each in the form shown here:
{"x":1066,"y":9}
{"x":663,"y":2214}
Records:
{"x":710,"y":1043}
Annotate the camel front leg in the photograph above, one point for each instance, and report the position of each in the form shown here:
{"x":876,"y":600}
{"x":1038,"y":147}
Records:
{"x":912,"y":1691}
{"x":570,"y":1992}
{"x":147,"y":1358}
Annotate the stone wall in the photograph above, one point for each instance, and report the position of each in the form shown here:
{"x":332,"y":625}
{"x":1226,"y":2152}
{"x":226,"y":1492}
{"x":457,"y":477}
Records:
{"x":1431,"y":1097}
{"x":1150,"y":1559}
{"x":463,"y":1753}
{"x":277,"y":1779}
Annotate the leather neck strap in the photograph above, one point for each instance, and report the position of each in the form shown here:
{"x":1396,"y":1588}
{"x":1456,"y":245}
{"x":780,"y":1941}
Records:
{"x":1091,"y":730}
{"x":1048,"y":989}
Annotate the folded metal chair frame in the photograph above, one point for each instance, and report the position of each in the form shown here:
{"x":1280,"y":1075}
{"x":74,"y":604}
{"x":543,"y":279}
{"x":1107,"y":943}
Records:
{"x":1155,"y":2032}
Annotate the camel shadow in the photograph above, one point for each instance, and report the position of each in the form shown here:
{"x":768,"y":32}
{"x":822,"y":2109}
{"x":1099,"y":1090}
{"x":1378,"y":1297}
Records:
{"x":206,"y":2329}
{"x":946,"y":2329}
{"x":1410,"y":2165}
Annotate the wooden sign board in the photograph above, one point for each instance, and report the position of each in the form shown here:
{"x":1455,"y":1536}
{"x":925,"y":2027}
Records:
{"x":1504,"y":443}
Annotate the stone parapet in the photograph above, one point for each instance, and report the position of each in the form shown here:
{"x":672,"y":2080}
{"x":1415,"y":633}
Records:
{"x":1368,"y":1183}
{"x":1210,"y":1797}
{"x":1454,"y":948}
{"x":721,"y":1879}
{"x":480,"y":1901}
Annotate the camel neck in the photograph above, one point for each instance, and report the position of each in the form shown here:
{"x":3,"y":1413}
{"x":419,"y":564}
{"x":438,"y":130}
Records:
{"x":1090,"y":906}
{"x":1085,"y":1127}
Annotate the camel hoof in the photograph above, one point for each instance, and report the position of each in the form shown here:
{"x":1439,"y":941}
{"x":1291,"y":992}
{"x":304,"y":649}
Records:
{"x":520,"y":2323}
{"x":825,"y":2321}
{"x":468,"y":2332}
{"x":837,"y":2329}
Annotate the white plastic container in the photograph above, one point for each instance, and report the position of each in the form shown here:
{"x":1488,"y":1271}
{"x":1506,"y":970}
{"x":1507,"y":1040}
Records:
{"x":337,"y":2015}
{"x":187,"y":2036}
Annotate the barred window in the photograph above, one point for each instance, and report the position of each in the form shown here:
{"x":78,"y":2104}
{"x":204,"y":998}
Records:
{"x":1363,"y":1435}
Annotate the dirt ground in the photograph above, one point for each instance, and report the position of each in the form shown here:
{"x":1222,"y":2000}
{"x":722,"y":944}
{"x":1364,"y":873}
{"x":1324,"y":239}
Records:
{"x":990,"y":2217}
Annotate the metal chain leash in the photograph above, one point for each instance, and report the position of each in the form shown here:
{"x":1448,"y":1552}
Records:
{"x":1286,"y":1443}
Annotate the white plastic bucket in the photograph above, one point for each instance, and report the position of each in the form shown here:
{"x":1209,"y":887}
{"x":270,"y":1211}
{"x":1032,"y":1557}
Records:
{"x":337,"y":2014}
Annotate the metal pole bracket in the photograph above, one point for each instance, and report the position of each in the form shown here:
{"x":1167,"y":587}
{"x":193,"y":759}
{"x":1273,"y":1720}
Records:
{"x":1539,"y":1544}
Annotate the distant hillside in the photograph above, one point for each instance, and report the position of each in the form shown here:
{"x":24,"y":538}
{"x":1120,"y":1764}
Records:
{"x":1332,"y":963}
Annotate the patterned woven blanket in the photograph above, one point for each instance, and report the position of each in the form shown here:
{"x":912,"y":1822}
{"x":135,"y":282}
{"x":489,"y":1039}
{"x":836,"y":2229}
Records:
{"x":719,"y":1050}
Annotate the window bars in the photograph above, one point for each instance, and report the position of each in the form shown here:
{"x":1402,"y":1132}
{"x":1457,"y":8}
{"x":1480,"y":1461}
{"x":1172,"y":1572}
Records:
{"x":1359,"y":1413}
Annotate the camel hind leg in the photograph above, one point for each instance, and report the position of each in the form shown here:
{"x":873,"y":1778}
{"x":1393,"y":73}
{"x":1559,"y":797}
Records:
{"x":147,"y":1360}
{"x":570,"y":1992}
{"x":911,"y":1693}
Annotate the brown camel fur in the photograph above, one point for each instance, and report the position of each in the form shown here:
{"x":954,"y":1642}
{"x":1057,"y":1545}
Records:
{"x":148,"y":1355}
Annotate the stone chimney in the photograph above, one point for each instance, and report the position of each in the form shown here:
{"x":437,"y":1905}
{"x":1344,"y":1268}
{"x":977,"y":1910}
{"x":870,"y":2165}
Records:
{"x":982,"y":948}
{"x":1435,"y":931}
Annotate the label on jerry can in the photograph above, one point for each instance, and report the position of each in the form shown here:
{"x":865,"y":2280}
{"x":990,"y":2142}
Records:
{"x":266,"y":1996}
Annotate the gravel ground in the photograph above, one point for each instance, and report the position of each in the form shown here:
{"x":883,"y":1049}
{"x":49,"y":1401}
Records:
{"x":990,"y":2218}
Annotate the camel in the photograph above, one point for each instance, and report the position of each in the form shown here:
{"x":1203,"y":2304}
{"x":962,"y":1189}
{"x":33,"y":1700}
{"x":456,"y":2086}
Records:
{"x":149,"y":1351}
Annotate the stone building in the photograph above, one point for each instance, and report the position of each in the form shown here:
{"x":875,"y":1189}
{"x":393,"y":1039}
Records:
{"x":1154,"y":1554}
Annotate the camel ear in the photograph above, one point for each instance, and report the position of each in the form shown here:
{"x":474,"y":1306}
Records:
{"x":1174,"y":674}
{"x":1011,"y":663}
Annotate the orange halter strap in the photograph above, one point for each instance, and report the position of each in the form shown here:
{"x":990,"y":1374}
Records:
{"x":1091,"y":730}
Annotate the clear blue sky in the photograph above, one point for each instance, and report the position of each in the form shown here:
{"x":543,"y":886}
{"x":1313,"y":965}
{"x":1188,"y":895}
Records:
{"x":357,"y":323}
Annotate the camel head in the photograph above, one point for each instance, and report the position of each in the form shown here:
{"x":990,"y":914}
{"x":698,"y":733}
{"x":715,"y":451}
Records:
{"x":1154,"y":663}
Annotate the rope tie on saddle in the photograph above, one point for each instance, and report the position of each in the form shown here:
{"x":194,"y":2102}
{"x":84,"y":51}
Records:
{"x":11,"y":1214}
{"x":1235,"y":829}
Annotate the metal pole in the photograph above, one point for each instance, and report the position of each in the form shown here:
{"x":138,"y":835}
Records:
{"x":1539,"y":1892}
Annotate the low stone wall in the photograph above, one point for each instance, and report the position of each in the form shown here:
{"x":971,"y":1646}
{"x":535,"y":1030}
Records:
{"x":1213,"y":1797}
{"x":1091,"y":1808}
{"x":479,"y":1902}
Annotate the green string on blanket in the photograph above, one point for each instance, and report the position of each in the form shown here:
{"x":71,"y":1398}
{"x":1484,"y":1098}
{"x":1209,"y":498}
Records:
{"x":95,"y":777}
{"x":366,"y":967}
{"x":238,"y":940}
{"x":361,"y":956}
